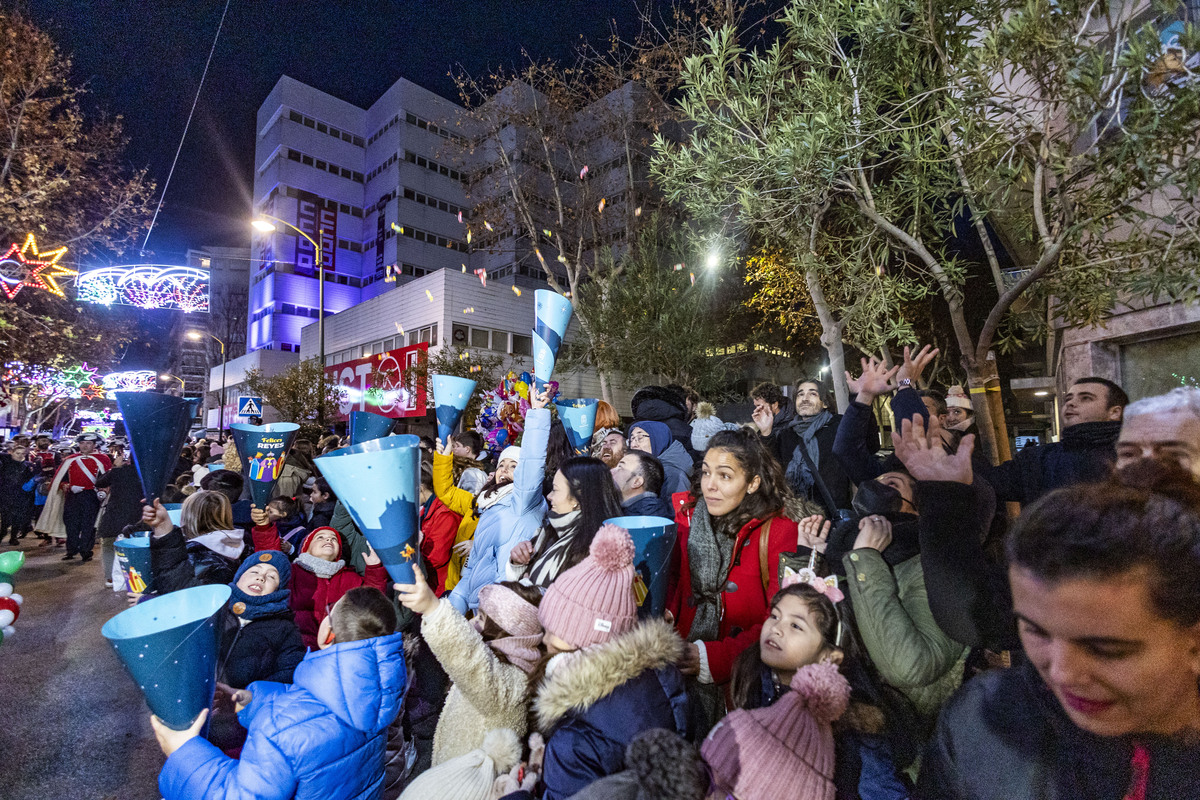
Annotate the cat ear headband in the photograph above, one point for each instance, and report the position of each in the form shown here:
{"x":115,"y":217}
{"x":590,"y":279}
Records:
{"x":808,"y":575}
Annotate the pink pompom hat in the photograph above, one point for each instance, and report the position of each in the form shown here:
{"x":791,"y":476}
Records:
{"x":593,"y":601}
{"x":784,"y":752}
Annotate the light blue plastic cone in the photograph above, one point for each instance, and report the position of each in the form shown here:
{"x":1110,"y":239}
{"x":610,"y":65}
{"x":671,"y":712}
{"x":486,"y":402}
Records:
{"x":378,"y":482}
{"x":451,"y":394}
{"x":169,"y":646}
{"x":263,"y":449}
{"x":653,"y":541}
{"x":366,"y":425}
{"x":133,"y":555}
{"x":579,"y":418}
{"x":551,"y":316}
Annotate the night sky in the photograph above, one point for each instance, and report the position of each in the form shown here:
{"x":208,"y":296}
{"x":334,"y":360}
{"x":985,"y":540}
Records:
{"x":143,"y":60}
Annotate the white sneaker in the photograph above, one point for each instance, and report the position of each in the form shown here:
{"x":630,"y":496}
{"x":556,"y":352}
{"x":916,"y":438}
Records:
{"x":108,"y":584}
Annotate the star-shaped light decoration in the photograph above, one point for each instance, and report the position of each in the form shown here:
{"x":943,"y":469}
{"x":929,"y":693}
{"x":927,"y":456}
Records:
{"x":25,"y":266}
{"x":92,"y":392}
{"x":78,"y":377}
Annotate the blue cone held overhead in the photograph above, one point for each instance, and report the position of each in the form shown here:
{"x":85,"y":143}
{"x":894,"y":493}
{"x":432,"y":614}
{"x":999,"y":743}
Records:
{"x":263,"y":449}
{"x":552,"y":315}
{"x":157,"y":425}
{"x":579,"y":418}
{"x":450,"y":396}
{"x":365,"y":426}
{"x":653,"y":540}
{"x":378,"y":482}
{"x":134,"y":557}
{"x":169,"y":646}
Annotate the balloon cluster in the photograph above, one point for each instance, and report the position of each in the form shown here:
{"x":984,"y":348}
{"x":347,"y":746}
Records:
{"x":501,"y":417}
{"x":10,"y":602}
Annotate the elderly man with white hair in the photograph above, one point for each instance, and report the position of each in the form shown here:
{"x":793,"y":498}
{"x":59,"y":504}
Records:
{"x":1166,"y":427}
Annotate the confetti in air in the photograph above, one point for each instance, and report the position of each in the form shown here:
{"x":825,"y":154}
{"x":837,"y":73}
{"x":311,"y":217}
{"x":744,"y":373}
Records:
{"x":546,"y":231}
{"x":463,"y":356}
{"x":468,"y":235}
{"x":460,"y":216}
{"x":482,"y":275}
{"x":469,"y":310}
{"x":583,"y":172}
{"x":487,"y":225}
{"x":516,"y":291}
{"x":600,"y":208}
{"x":562,"y":259}
{"x":637,"y":212}
{"x":399,"y":329}
{"x":677,"y":267}
{"x":692,"y":275}
{"x":429,"y":294}
{"x":476,"y":368}
{"x":464,"y":267}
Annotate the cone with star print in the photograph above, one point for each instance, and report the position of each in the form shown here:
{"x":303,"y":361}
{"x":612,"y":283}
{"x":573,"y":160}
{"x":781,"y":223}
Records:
{"x":451,"y":394}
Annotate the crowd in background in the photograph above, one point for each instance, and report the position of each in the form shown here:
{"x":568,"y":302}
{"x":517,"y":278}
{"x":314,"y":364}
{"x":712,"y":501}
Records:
{"x":842,"y":621}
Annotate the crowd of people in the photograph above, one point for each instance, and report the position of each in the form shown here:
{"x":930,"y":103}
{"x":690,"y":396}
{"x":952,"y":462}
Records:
{"x":841,"y":621}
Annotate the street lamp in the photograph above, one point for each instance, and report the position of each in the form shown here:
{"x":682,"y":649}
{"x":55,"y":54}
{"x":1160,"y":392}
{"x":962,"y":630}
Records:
{"x":166,"y":376}
{"x":196,"y":336}
{"x":265,"y":224}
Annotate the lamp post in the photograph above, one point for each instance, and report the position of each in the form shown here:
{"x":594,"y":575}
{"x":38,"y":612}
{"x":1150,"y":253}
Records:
{"x":265,"y":225}
{"x":166,"y":376}
{"x":196,"y":336}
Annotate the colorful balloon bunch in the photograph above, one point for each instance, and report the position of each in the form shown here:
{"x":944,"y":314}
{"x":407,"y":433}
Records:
{"x":10,"y":602}
{"x":501,"y":419}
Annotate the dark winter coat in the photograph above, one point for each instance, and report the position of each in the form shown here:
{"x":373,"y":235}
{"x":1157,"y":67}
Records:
{"x":264,"y":649}
{"x":744,"y":608}
{"x":322,"y":515}
{"x":647,"y":505}
{"x":322,"y":737}
{"x":1004,"y":736}
{"x":179,"y":564}
{"x":1086,"y":454}
{"x":783,"y":447}
{"x":659,"y":404}
{"x":592,"y":704}
{"x":855,"y":443}
{"x":124,"y":504}
{"x":13,"y":477}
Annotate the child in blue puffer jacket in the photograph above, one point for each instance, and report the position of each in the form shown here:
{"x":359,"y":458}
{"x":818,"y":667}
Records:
{"x":323,"y":736}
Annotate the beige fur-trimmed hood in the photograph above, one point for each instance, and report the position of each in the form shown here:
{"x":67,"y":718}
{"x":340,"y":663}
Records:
{"x":593,"y":674}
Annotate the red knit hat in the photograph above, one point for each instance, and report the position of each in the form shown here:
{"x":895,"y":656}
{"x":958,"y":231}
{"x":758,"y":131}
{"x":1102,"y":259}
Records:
{"x":593,"y":601}
{"x":784,"y":752}
{"x":308,"y":540}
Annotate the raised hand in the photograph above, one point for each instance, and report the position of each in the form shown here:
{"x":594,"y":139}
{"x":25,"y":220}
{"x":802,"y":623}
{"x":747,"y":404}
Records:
{"x":874,"y":532}
{"x":926,"y":459}
{"x":876,"y":379}
{"x":157,"y":519}
{"x":416,"y":596}
{"x":538,"y":399}
{"x":814,"y":533}
{"x":914,"y":365}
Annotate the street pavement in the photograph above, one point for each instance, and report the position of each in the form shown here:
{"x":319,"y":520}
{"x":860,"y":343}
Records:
{"x":72,"y":722}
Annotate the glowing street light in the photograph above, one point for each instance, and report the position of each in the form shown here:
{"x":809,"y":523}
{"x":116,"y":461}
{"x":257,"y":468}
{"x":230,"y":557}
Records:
{"x":713,"y":261}
{"x":263,"y":225}
{"x":196,"y":336}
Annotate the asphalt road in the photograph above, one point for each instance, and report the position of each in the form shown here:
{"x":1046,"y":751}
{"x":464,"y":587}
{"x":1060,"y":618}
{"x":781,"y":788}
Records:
{"x":72,"y":722}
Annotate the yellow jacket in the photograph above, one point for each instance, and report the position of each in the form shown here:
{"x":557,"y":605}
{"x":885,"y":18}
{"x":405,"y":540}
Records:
{"x":460,"y":501}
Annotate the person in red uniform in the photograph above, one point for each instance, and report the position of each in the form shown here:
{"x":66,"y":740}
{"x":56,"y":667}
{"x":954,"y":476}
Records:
{"x":77,"y":480}
{"x":45,"y":463}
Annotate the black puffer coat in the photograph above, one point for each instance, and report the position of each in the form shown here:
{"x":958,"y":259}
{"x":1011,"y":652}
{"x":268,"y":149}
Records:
{"x":264,"y":649}
{"x":124,"y":504}
{"x":179,"y":564}
{"x":660,"y":404}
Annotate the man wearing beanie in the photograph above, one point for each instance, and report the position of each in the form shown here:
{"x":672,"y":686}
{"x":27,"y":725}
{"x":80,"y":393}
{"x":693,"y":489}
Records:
{"x":784,"y":752}
{"x":614,"y":676}
{"x":470,"y":776}
{"x":659,"y":765}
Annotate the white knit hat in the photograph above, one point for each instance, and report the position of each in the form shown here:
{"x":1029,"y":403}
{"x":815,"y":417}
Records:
{"x":470,"y":776}
{"x":705,"y":426}
{"x":512,"y":452}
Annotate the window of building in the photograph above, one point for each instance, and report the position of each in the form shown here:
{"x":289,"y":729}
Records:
{"x":500,"y":341}
{"x":479,"y":338}
{"x":322,"y":127}
{"x":522,"y":345}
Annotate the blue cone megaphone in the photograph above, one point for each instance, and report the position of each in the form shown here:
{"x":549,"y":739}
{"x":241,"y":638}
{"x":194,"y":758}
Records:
{"x":551,"y":316}
{"x":169,"y":646}
{"x":157,"y":425}
{"x":133,"y":554}
{"x":579,"y":418}
{"x":379,"y":482}
{"x":366,"y":425}
{"x":262,"y":449}
{"x":451,"y":394}
{"x":653,"y":541}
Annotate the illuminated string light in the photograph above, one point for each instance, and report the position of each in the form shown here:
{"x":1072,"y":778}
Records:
{"x":23,"y":266}
{"x":149,"y":286}
{"x":137,"y":380}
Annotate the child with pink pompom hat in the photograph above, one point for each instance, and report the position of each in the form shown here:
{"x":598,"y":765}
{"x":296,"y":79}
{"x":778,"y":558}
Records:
{"x":612,"y":676}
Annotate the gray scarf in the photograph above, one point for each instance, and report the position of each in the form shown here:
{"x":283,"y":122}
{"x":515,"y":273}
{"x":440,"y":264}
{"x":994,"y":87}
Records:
{"x":709,"y":555}
{"x":799,"y":476}
{"x":319,"y":566}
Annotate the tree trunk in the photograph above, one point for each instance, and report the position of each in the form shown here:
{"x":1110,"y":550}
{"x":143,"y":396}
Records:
{"x":984,"y":383}
{"x":605,"y":387}
{"x":831,"y":340}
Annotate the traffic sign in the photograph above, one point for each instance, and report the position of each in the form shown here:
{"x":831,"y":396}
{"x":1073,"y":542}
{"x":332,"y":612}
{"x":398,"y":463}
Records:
{"x":249,"y":406}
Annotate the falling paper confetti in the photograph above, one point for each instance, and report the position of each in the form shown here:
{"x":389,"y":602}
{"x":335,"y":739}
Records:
{"x":487,"y":225}
{"x":482,"y":274}
{"x":562,"y":259}
{"x":600,"y":209}
{"x":429,"y":294}
{"x":469,"y":310}
{"x":637,"y":212}
{"x":397,"y":228}
{"x":399,"y":329}
{"x":460,"y":216}
{"x":476,"y":368}
{"x":677,"y":267}
{"x":468,"y":235}
{"x":692,"y":275}
{"x":463,"y":356}
{"x":516,"y":291}
{"x":546,"y":231}
{"x":583,"y":172}
{"x":464,"y":267}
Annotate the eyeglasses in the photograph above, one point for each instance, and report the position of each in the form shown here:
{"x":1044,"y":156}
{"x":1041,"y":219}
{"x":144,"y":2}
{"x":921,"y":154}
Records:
{"x":639,"y":438}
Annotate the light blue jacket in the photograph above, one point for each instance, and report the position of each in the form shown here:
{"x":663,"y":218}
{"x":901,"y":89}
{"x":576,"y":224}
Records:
{"x":321,"y":737}
{"x":514,"y":518}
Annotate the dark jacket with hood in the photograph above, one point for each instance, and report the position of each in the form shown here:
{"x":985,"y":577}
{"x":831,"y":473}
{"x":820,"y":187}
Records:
{"x":322,"y":515}
{"x":676,"y":463}
{"x":1004,"y":736}
{"x":647,"y":505}
{"x":124,"y":504}
{"x":596,"y":700}
{"x":177,"y":563}
{"x":783,"y":446}
{"x":660,"y":404}
{"x":1085,"y":454}
{"x":321,"y":737}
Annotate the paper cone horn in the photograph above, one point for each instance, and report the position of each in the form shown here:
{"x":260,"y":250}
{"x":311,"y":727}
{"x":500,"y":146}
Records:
{"x":378,"y":482}
{"x":157,"y":425}
{"x":263,"y":449}
{"x":552,"y":315}
{"x":579,"y":418}
{"x":169,"y":646}
{"x":365,"y":426}
{"x":175,"y":512}
{"x":134,"y":556}
{"x":653,"y":541}
{"x":450,"y":396}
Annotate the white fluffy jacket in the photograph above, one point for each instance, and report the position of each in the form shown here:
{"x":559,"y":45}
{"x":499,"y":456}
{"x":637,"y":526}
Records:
{"x":487,"y":692}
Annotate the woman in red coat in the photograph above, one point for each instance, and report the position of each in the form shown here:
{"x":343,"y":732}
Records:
{"x":320,"y":577}
{"x":439,"y":527}
{"x":727,"y":562}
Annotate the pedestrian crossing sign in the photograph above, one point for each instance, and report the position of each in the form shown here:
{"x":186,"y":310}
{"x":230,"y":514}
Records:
{"x":249,"y":406}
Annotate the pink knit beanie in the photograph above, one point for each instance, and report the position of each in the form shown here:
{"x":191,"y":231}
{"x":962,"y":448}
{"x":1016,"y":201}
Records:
{"x":593,"y":601}
{"x":784,"y":752}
